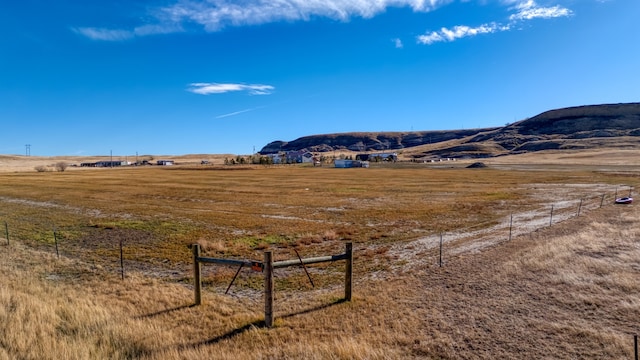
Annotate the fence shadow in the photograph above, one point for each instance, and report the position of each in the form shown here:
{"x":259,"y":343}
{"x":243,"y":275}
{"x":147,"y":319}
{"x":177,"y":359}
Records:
{"x":229,"y":335}
{"x":165,"y":311}
{"x":315,"y":308}
{"x":256,"y":324}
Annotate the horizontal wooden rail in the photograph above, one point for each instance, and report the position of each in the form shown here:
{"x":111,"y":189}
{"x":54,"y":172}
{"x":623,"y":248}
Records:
{"x":229,"y":262}
{"x":315,"y":260}
{"x":277,"y":264}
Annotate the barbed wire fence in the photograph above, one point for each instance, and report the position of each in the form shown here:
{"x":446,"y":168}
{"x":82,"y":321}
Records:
{"x":43,"y":233}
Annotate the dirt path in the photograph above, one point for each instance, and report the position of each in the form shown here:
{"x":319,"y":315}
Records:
{"x":549,"y":211}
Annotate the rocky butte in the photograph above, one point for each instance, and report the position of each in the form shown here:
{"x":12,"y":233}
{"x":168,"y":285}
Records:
{"x":580,"y":127}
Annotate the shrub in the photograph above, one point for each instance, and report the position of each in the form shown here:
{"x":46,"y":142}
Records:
{"x":41,"y":168}
{"x":61,"y":166}
{"x":330,"y":235}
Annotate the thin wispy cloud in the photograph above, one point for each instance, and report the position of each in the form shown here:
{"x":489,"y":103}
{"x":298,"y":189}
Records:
{"x":233,"y":113}
{"x":524,"y":10}
{"x":104,"y":34}
{"x":458,"y":32}
{"x":398,"y":43}
{"x":217,"y":88}
{"x":529,"y":10}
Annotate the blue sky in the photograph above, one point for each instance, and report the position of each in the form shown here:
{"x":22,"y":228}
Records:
{"x":174,"y":77}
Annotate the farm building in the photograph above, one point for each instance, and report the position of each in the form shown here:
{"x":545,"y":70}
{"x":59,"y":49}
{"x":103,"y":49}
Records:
{"x":343,"y":163}
{"x":108,"y":163}
{"x":296,"y":157}
{"x":275,"y":158}
{"x":292,"y":157}
{"x":165,"y":162}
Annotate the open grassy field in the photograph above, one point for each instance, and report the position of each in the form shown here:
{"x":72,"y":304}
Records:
{"x":568,"y":290}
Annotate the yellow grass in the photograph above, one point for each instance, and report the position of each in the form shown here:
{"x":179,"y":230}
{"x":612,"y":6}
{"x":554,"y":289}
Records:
{"x":566,"y":291}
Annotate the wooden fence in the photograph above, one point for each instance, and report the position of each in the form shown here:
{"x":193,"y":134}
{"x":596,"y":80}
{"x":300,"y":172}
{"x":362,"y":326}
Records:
{"x":267,"y":267}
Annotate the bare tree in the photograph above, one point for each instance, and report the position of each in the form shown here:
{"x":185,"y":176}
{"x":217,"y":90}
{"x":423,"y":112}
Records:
{"x":61,"y":166}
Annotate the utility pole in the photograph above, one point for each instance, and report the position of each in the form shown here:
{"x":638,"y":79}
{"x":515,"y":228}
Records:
{"x":28,"y":150}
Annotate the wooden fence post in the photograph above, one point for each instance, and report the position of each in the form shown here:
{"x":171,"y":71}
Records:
{"x":551,"y":218}
{"x":348,"y":271}
{"x":268,"y":289}
{"x":602,"y":200}
{"x":6,"y":231}
{"x":197,"y":268}
{"x":635,"y":346}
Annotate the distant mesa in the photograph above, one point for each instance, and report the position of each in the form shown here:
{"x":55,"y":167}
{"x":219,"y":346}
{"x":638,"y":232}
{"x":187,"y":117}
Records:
{"x":368,"y":141}
{"x":573,"y":128}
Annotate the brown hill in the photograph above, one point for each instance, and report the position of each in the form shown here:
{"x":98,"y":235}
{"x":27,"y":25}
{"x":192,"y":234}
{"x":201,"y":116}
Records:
{"x":582,"y":127}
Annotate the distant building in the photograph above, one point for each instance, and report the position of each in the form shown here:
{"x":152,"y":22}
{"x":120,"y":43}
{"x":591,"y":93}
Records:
{"x":297,"y":157}
{"x":165,"y":162}
{"x":109,"y":163}
{"x":344,"y":163}
{"x":307,"y":157}
{"x":275,"y":158}
{"x":292,"y":157}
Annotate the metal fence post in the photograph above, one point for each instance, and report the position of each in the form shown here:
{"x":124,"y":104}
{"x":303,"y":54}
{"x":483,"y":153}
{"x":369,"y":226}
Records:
{"x":579,"y":207}
{"x":511,"y":227}
{"x":121,"y":260}
{"x":440,"y":260}
{"x":55,"y":239}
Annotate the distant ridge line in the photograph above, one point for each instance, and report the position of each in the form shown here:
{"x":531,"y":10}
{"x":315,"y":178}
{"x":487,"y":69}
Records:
{"x":564,"y":128}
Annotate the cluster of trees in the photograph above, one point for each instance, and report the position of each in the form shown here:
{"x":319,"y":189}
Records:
{"x":267,"y":160}
{"x":254,"y":160}
{"x":59,"y":166}
{"x":258,"y":159}
{"x":380,"y":159}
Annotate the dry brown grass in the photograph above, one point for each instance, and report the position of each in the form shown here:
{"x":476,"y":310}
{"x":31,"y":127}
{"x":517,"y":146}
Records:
{"x":566,"y":291}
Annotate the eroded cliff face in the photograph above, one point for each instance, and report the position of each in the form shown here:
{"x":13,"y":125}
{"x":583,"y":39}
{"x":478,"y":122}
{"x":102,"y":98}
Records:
{"x":567,"y":128}
{"x":552,"y":128}
{"x":368,"y":141}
